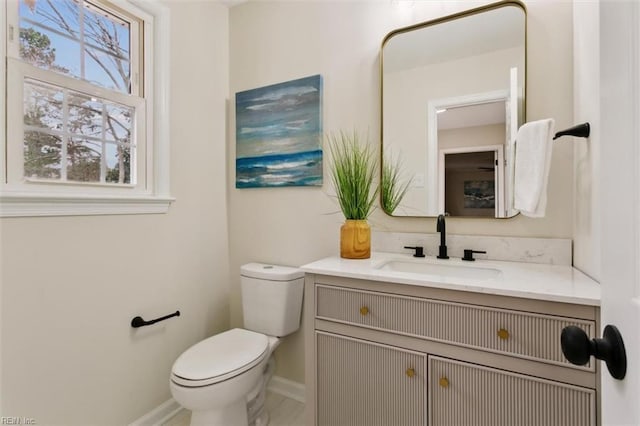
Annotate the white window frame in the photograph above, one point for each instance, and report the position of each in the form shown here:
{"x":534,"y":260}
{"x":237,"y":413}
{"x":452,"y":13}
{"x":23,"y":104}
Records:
{"x":20,"y":197}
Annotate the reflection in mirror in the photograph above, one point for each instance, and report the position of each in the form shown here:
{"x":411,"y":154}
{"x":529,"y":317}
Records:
{"x":452,"y":101}
{"x":471,"y":172}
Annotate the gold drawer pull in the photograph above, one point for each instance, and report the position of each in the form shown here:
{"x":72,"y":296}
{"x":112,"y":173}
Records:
{"x":444,"y":382}
{"x":410,"y":372}
{"x":364,"y":310}
{"x":503,"y":334}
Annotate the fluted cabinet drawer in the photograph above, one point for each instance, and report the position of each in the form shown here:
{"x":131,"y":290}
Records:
{"x":521,"y":334}
{"x":463,"y":394}
{"x":360,"y":383}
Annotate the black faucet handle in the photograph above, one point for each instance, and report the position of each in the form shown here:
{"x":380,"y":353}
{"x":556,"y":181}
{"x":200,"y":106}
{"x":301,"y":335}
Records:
{"x":419,"y":251}
{"x":468,"y":254}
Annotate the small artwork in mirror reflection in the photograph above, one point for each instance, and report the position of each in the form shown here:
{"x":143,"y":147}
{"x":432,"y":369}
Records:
{"x":278,"y":135}
{"x":479,"y":194}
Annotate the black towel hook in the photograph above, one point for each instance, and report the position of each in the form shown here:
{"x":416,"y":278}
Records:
{"x":580,"y":131}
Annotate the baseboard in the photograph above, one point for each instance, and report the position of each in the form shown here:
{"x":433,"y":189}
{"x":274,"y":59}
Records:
{"x":286,"y":387}
{"x":159,"y":415}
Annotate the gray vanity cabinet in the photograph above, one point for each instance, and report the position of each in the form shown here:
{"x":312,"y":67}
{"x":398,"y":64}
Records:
{"x":394,"y":354}
{"x":462,"y":393}
{"x":362,"y":383}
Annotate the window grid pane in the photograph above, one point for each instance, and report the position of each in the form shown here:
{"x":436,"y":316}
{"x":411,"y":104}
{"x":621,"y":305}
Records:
{"x":77,"y":39}
{"x":42,"y":153}
{"x":43,"y":107}
{"x":84,"y":158}
{"x":70,"y":136}
{"x":118,"y":163}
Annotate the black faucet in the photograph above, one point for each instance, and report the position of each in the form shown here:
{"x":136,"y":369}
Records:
{"x":442,"y":229}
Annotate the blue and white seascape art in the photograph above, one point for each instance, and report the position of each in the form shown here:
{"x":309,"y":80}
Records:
{"x":279,"y":134}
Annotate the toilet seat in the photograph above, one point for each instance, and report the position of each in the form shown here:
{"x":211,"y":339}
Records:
{"x":220,"y":357}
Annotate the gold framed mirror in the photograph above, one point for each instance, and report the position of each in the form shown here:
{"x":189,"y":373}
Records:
{"x":453,"y":95}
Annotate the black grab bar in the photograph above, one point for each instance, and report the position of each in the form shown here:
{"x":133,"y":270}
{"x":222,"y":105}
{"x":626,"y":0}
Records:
{"x":139,"y":322}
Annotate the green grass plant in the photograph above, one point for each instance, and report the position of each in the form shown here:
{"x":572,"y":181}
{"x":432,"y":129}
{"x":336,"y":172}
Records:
{"x":353,"y":169}
{"x":392,"y":188}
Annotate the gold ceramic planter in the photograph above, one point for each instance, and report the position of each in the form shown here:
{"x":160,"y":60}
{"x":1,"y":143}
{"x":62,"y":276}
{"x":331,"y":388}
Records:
{"x":355,"y":240}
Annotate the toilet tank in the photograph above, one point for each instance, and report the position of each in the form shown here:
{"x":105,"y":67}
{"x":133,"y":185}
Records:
{"x":271,"y":298}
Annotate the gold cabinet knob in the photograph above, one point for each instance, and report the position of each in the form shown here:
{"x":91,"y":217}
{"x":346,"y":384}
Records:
{"x":503,"y":334}
{"x":444,"y":382}
{"x":364,"y":310}
{"x":410,"y":372}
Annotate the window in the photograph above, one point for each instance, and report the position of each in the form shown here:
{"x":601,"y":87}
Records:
{"x":80,"y":109}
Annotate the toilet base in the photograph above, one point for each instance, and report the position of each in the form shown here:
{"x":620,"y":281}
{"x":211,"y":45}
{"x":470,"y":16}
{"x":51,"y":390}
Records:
{"x":263,"y":418}
{"x":232,"y":415}
{"x":256,"y":410}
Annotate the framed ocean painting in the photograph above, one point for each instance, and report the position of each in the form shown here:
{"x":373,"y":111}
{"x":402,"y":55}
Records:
{"x":279,"y":134}
{"x":479,"y":194}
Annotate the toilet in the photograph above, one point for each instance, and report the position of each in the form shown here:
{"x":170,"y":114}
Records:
{"x":223,"y":378}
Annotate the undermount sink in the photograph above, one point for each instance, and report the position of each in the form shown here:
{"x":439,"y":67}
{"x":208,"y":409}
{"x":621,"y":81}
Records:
{"x":440,"y":270}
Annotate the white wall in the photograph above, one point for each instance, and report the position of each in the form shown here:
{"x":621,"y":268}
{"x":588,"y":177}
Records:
{"x":272,"y":42}
{"x":70,"y":285}
{"x":488,"y":134}
{"x":586,"y":226}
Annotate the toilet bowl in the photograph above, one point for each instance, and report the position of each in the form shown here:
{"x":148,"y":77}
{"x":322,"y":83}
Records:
{"x":222,"y":379}
{"x":213,"y":377}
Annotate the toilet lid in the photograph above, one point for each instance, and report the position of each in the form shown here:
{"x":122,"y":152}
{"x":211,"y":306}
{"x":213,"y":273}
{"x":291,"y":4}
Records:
{"x":220,"y":357}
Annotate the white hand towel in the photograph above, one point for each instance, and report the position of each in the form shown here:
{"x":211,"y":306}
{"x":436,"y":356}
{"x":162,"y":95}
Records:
{"x":534,"y":145}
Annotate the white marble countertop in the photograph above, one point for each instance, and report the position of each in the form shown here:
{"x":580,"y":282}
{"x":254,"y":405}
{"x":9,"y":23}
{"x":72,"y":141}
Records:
{"x":557,"y":283}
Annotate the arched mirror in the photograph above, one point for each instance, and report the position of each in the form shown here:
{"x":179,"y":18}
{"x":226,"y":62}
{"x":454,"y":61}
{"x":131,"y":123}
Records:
{"x":453,"y":97}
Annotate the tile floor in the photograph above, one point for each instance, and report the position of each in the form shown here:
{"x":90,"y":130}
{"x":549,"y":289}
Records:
{"x":283,"y":411}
